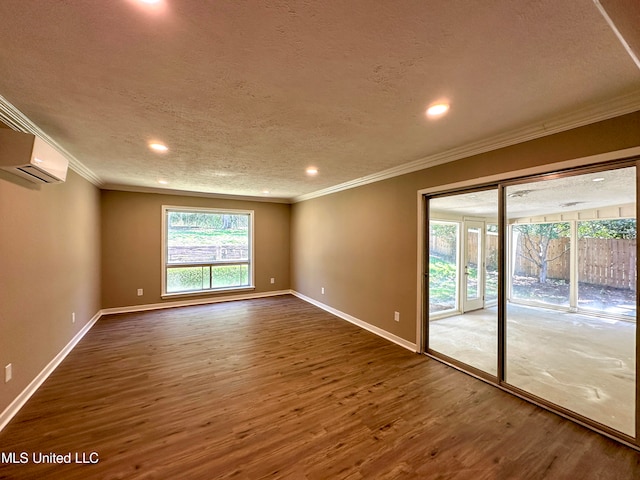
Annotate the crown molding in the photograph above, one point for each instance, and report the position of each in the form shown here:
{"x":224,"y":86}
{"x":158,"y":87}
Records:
{"x":605,"y":110}
{"x":187,"y":193}
{"x":15,"y":119}
{"x":617,"y":33}
{"x":578,"y":118}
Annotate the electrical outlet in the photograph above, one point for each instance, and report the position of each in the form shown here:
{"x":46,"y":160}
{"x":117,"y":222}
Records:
{"x":322,"y":291}
{"x":140,"y":292}
{"x":73,"y":317}
{"x":8,"y":373}
{"x":396,"y":316}
{"x":273,"y":280}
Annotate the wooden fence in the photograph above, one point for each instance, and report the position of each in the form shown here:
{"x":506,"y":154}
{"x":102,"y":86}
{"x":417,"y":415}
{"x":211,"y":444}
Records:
{"x":608,"y":262}
{"x":601,"y":261}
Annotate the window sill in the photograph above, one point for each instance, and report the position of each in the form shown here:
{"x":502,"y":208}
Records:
{"x":208,"y":292}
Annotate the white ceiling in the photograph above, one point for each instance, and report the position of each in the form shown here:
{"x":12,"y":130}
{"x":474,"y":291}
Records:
{"x":248,"y":94}
{"x":564,"y":195}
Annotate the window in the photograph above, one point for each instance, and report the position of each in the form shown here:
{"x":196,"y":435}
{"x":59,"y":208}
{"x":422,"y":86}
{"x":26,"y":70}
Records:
{"x":206,"y":250}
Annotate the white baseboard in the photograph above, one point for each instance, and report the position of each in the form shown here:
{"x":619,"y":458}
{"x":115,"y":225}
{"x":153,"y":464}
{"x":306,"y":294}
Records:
{"x":15,"y":406}
{"x":191,"y":302}
{"x":360,"y":323}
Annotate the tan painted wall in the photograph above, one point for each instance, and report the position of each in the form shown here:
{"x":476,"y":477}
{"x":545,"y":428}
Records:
{"x":361,"y":244}
{"x":132,"y":244}
{"x":49,"y":268}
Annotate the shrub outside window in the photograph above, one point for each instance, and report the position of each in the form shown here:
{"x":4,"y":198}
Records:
{"x":206,"y":250}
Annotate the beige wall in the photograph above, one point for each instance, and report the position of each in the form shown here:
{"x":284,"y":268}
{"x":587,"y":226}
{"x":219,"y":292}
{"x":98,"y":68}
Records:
{"x":132,"y":245}
{"x":361,"y":244}
{"x":71,"y":248}
{"x":49,"y":268}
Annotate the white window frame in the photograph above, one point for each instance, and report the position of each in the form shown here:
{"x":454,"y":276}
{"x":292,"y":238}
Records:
{"x":165,"y":249}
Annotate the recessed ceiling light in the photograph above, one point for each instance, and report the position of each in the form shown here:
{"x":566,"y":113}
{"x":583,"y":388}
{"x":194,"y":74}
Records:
{"x":599,"y":179}
{"x":266,"y":192}
{"x":163,"y":182}
{"x":437,"y":110}
{"x":154,"y":6}
{"x":158,"y":147}
{"x":312,"y":171}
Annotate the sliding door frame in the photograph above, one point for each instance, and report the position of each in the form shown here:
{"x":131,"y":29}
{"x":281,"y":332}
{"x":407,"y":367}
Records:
{"x":499,"y":381}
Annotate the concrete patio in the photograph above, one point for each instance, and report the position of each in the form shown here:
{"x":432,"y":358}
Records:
{"x":581,"y":362}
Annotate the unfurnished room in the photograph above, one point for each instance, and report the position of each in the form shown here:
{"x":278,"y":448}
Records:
{"x":362,"y":239}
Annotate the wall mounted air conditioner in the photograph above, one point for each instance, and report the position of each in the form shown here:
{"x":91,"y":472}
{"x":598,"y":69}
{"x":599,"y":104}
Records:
{"x":31,"y":157}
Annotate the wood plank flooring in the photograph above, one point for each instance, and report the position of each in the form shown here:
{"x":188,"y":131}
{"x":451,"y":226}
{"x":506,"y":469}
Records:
{"x":277,"y":388}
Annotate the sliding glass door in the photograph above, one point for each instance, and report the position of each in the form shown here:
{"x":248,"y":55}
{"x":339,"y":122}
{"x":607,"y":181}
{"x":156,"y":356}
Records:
{"x":532,"y":285}
{"x":572,"y":252}
{"x":463,"y":279}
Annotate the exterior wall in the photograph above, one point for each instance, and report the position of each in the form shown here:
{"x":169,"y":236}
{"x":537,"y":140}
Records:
{"x":132,"y":245}
{"x":361,"y":244}
{"x":49,"y":269}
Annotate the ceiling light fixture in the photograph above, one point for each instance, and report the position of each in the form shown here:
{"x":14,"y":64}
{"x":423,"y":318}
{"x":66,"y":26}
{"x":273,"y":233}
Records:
{"x":312,"y":171}
{"x":163,"y":182}
{"x":158,"y":147}
{"x":437,"y":110}
{"x":599,"y":179}
{"x":152,"y":6}
{"x":266,"y":192}
{"x":519,"y":194}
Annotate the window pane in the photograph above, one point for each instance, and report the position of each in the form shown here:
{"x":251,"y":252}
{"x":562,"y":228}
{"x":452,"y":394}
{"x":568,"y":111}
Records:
{"x":491,"y":264}
{"x":560,"y":226}
{"x":183,"y":279}
{"x":230,"y":276}
{"x":541,"y":263}
{"x":443,"y":266}
{"x":198,"y":237}
{"x":606,"y":266}
{"x":463,"y":272}
{"x":474,"y":262}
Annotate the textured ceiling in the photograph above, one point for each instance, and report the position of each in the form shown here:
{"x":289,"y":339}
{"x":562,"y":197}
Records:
{"x":248,"y":94}
{"x":579,"y":193}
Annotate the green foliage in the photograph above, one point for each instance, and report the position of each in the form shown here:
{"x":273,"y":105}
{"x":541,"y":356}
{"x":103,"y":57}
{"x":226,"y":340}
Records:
{"x":624,"y":228}
{"x":186,"y":279}
{"x":200,"y":237}
{"x":445,"y":235}
{"x":444,"y":230}
{"x":443,"y":277}
{"x":219,"y":221}
{"x":183,"y":279}
{"x":621,"y":228}
{"x":186,"y":229}
{"x":544,"y":230}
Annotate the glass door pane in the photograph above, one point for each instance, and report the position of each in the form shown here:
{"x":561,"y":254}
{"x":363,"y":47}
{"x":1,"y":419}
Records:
{"x":606,"y":270}
{"x":540,"y":269}
{"x":460,"y":327}
{"x":491,"y":264}
{"x":444,"y":266}
{"x":583,"y":363}
{"x":473,"y":265}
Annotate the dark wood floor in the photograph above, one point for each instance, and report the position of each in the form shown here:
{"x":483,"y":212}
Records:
{"x":277,"y":388}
